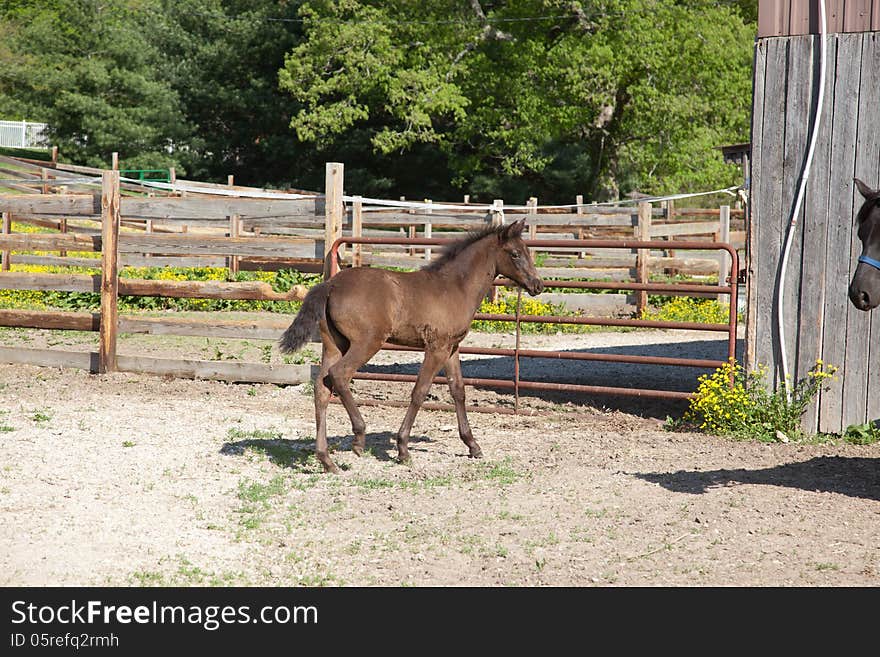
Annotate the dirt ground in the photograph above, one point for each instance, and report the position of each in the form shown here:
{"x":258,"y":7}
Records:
{"x":127,"y":479}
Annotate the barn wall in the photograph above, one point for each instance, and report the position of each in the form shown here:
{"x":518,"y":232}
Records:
{"x":791,"y":17}
{"x":820,"y":322}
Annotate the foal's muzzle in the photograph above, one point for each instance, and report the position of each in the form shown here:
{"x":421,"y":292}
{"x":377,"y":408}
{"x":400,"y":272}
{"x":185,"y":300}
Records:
{"x":535,"y":287}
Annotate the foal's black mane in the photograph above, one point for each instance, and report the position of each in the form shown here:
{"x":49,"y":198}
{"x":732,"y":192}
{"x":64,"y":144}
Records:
{"x":452,"y":250}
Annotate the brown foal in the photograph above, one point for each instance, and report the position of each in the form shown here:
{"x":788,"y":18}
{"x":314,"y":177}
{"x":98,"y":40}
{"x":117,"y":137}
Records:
{"x":359,"y":309}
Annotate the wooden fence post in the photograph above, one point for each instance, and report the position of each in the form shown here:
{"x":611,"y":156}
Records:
{"x":44,"y":176}
{"x":497,"y":219}
{"x":109,"y":271}
{"x":334,"y":208}
{"x":234,"y":228}
{"x":357,"y":230}
{"x":533,"y":217}
{"x":579,"y":200}
{"x":7,"y":228}
{"x":54,"y":156}
{"x":670,"y":217}
{"x":724,"y":256}
{"x":428,"y":228}
{"x":114,"y":161}
{"x":643,"y":233}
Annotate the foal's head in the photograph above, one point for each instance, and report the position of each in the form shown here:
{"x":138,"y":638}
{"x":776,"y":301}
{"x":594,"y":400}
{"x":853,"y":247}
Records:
{"x":514,"y":260}
{"x":864,"y":290}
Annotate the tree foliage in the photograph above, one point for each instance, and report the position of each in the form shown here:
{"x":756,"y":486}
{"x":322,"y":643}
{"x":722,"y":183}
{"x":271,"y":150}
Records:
{"x":493,"y":98}
{"x":546,"y":96}
{"x":89,"y":70}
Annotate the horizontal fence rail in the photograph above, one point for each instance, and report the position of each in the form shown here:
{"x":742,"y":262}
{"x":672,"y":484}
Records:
{"x":516,"y":384}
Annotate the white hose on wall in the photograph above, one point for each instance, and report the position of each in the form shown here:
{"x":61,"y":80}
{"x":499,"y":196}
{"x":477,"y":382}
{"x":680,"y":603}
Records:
{"x":805,"y":174}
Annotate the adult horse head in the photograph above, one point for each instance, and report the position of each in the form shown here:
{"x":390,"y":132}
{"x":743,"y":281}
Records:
{"x":864,"y":289}
{"x":360,"y":309}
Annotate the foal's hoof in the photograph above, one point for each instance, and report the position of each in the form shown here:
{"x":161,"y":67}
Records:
{"x":476,"y":453}
{"x":405,"y":459}
{"x":330,"y":466}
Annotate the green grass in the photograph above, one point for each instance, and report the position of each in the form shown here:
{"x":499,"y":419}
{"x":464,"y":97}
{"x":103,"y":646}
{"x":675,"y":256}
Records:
{"x":4,"y":428}
{"x":500,"y":472}
{"x":254,"y":434}
{"x":41,"y":416}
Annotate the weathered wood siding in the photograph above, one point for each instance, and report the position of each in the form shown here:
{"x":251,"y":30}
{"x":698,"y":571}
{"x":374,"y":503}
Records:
{"x":792,"y":17}
{"x":820,"y":322}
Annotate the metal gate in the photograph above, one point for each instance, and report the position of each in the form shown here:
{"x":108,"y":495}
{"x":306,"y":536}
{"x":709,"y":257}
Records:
{"x":516,"y":383}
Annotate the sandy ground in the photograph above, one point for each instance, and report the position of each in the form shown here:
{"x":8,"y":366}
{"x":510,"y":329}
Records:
{"x":127,"y":479}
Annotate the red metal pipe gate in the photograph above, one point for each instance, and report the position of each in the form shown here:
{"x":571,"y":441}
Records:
{"x":516,"y":384}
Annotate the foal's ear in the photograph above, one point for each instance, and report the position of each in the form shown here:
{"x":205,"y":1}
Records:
{"x":866,"y":191}
{"x":513,"y":230}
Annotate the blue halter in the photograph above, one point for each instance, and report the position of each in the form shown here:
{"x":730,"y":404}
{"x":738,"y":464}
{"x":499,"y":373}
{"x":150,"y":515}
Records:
{"x":870,"y":261}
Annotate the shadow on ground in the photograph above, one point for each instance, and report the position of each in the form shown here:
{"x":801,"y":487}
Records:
{"x":299,"y":454}
{"x":599,"y":373}
{"x":851,"y":476}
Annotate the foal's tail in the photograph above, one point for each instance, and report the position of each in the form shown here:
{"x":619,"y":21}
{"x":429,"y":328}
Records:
{"x":311,"y":312}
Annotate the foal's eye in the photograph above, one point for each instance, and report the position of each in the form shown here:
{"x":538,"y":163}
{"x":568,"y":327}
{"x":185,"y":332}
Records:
{"x":515,"y":255}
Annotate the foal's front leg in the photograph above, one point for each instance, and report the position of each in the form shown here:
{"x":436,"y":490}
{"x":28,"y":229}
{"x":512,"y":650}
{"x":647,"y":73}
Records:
{"x":456,"y":389}
{"x":434,"y":360}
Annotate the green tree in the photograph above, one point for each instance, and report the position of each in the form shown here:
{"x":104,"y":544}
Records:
{"x":546,"y":97}
{"x":89,"y":70}
{"x":221,"y":57}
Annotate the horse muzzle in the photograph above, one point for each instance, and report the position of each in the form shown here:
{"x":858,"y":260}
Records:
{"x":535,"y":287}
{"x":861,"y":299}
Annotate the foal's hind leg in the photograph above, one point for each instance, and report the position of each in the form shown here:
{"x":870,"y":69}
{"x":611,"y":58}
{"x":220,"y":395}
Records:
{"x":340,"y":374}
{"x":456,"y":388}
{"x":431,"y":365}
{"x":331,"y":354}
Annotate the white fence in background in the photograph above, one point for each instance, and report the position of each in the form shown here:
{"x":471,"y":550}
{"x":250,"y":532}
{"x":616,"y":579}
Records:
{"x":23,"y":134}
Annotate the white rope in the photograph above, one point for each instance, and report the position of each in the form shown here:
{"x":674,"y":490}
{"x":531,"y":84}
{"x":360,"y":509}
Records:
{"x":178,"y":187}
{"x":410,"y":205}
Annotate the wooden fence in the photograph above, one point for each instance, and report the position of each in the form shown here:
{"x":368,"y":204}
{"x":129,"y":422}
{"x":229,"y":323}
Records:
{"x":198,"y":228}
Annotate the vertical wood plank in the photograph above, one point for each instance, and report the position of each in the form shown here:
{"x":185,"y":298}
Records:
{"x":357,"y":230}
{"x":840,"y":225}
{"x":428,"y":229}
{"x":579,"y":201}
{"x":109,"y":271}
{"x":114,"y":161}
{"x":234,"y":231}
{"x":333,"y":205}
{"x":6,"y":229}
{"x":798,"y":114}
{"x":755,"y":201}
{"x":813,"y":256}
{"x":833,"y":17}
{"x":857,"y":15}
{"x":533,"y":217}
{"x":769,"y":211}
{"x":497,"y":219}
{"x":643,"y":229}
{"x":44,"y":176}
